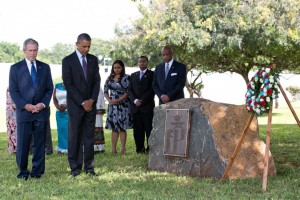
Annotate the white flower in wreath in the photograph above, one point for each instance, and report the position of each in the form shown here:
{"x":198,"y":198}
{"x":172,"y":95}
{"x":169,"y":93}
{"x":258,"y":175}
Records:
{"x":256,"y":79}
{"x":263,"y":109}
{"x":253,"y":98}
{"x":273,"y":96}
{"x":257,"y":111}
{"x":268,"y":99}
{"x":270,"y":85}
{"x":261,"y":80}
{"x":253,"y":86}
{"x":261,"y":99}
{"x":267,"y":70}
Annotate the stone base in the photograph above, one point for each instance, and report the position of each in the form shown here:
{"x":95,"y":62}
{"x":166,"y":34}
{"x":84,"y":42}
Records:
{"x":215,"y":129}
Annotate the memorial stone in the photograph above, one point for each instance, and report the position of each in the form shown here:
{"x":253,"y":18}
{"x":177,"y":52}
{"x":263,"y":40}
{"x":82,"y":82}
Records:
{"x":215,"y":129}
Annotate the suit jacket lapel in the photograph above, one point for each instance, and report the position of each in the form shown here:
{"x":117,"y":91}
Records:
{"x":39,"y":71}
{"x":144,"y":76}
{"x":136,"y":77}
{"x":89,"y":70}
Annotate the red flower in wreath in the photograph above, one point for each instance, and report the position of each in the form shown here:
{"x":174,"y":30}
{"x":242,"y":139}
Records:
{"x":269,"y":91}
{"x":249,"y":102}
{"x":267,"y":76}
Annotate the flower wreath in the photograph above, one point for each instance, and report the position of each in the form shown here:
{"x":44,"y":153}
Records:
{"x":261,"y":90}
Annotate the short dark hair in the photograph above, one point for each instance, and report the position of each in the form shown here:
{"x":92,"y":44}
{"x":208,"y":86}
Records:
{"x":83,"y":36}
{"x":144,"y":57}
{"x":29,"y":41}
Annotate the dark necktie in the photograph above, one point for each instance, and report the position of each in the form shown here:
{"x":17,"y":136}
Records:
{"x":84,"y":67}
{"x":33,"y":74}
{"x":167,"y":70}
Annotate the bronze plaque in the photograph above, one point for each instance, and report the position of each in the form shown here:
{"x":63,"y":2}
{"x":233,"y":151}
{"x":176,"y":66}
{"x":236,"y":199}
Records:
{"x":176,"y":138}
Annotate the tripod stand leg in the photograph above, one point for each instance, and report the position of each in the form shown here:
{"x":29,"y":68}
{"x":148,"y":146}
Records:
{"x":237,"y":148}
{"x":266,"y":161}
{"x":289,"y":104}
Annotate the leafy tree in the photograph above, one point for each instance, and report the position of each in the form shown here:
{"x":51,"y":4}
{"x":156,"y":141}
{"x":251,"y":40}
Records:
{"x":56,"y":54}
{"x":217,"y":35}
{"x":246,"y":34}
{"x":100,"y":48}
{"x":10,"y":52}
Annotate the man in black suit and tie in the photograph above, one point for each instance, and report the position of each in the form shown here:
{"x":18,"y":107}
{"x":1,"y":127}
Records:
{"x":80,"y":73}
{"x":141,"y":94}
{"x":169,"y":78}
{"x":31,"y":87}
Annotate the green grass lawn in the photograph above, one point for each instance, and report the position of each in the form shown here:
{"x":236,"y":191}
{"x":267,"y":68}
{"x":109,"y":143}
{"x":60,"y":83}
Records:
{"x":127,"y":177}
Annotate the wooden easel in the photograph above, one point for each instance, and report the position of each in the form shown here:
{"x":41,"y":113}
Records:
{"x":268,"y":139}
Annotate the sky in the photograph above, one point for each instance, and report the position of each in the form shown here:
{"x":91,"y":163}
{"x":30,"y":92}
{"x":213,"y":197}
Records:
{"x":53,"y":21}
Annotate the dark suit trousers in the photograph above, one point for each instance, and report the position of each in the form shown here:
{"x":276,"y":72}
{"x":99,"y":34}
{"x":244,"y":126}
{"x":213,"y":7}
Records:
{"x":142,"y":125}
{"x":81,"y":141}
{"x":25,"y":132}
{"x":49,"y":146}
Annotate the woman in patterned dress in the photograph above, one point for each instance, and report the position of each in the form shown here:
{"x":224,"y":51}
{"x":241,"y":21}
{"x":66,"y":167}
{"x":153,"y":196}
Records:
{"x":119,"y":118}
{"x":60,"y":102}
{"x":11,"y":123}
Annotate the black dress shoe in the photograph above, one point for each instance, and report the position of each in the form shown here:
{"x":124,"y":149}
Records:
{"x":35,"y":177}
{"x":75,"y":173}
{"x":92,"y":173}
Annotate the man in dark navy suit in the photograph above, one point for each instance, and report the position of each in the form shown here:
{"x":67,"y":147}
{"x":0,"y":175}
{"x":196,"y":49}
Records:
{"x":31,"y":87}
{"x":141,"y":95}
{"x":80,"y":73}
{"x":169,"y":78}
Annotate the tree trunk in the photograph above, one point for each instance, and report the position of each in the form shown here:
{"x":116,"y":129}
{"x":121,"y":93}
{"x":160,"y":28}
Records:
{"x":245,"y":77}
